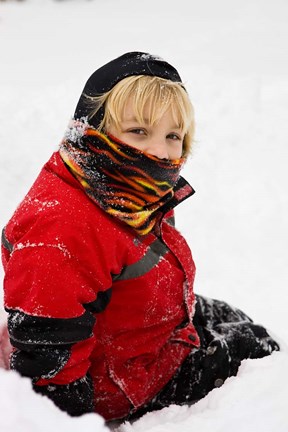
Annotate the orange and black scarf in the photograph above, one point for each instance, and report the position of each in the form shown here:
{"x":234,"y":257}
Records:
{"x":125,"y":182}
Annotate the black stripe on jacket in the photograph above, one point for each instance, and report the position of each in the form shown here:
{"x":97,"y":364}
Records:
{"x":43,"y":345}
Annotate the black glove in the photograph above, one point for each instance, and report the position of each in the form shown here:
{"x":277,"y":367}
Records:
{"x":246,"y":340}
{"x":75,"y":398}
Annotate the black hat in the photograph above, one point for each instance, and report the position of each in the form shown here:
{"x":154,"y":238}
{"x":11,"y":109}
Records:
{"x":105,"y":78}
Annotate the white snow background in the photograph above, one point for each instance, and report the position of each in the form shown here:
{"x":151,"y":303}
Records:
{"x":233,"y":58}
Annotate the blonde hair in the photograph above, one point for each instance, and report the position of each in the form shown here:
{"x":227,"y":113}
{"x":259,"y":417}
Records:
{"x":156,"y":94}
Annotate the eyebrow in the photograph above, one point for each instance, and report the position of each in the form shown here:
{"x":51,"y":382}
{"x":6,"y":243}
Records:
{"x":134,"y":120}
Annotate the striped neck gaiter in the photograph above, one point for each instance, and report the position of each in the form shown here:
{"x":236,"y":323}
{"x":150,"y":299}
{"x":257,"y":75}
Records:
{"x":125,"y":182}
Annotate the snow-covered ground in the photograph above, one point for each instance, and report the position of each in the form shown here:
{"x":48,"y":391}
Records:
{"x":233,"y":57}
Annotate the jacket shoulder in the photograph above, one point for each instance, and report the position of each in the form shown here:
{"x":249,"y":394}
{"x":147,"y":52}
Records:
{"x":57,"y":209}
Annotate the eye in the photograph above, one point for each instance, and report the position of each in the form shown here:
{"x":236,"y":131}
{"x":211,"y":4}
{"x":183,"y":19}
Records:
{"x":137,"y":131}
{"x":174,"y":137}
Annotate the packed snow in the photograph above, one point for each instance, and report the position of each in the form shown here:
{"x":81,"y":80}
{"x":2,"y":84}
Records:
{"x":233,"y":59}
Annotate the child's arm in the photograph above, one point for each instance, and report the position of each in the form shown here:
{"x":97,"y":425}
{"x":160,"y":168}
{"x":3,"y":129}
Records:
{"x":46,"y":350}
{"x":50,"y":302}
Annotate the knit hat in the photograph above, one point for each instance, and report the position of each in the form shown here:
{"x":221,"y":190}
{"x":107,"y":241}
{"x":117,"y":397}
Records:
{"x":105,"y":78}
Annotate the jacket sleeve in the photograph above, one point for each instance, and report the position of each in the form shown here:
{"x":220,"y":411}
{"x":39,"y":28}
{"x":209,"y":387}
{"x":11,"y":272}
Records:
{"x":46,"y":350}
{"x":51,"y":299}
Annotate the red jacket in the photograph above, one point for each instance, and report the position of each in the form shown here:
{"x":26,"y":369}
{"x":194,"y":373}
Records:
{"x":90,"y":296}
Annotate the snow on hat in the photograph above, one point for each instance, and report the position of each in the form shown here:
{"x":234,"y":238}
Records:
{"x":105,"y":78}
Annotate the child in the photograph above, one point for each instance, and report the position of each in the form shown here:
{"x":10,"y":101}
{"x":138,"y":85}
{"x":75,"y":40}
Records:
{"x":98,"y":282}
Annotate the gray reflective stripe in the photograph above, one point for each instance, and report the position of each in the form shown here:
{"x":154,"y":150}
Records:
{"x":5,"y":242}
{"x":171,"y":221}
{"x":155,"y":251}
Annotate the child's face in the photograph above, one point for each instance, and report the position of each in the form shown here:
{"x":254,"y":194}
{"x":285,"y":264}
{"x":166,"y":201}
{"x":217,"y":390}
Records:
{"x":163,"y":140}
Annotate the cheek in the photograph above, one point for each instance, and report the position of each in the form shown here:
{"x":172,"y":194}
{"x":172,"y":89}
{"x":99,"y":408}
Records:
{"x":176,"y":152}
{"x":180,"y":151}
{"x":128,"y":139}
{"x":112,"y":130}
{"x":124,"y":137}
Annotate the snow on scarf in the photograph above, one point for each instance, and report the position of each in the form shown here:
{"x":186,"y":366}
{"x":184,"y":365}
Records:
{"x":127,"y":183}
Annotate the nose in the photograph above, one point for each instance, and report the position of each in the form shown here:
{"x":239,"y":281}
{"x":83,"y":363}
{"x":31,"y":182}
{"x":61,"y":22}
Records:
{"x":157,"y":148}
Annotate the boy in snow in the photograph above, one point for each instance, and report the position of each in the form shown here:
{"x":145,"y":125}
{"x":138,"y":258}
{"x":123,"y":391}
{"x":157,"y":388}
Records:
{"x":98,"y":282}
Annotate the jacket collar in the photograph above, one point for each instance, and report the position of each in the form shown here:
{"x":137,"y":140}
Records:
{"x":182,"y":191}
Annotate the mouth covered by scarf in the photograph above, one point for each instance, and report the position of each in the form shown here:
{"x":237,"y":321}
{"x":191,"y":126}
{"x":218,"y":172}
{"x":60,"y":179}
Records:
{"x":125,"y":182}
